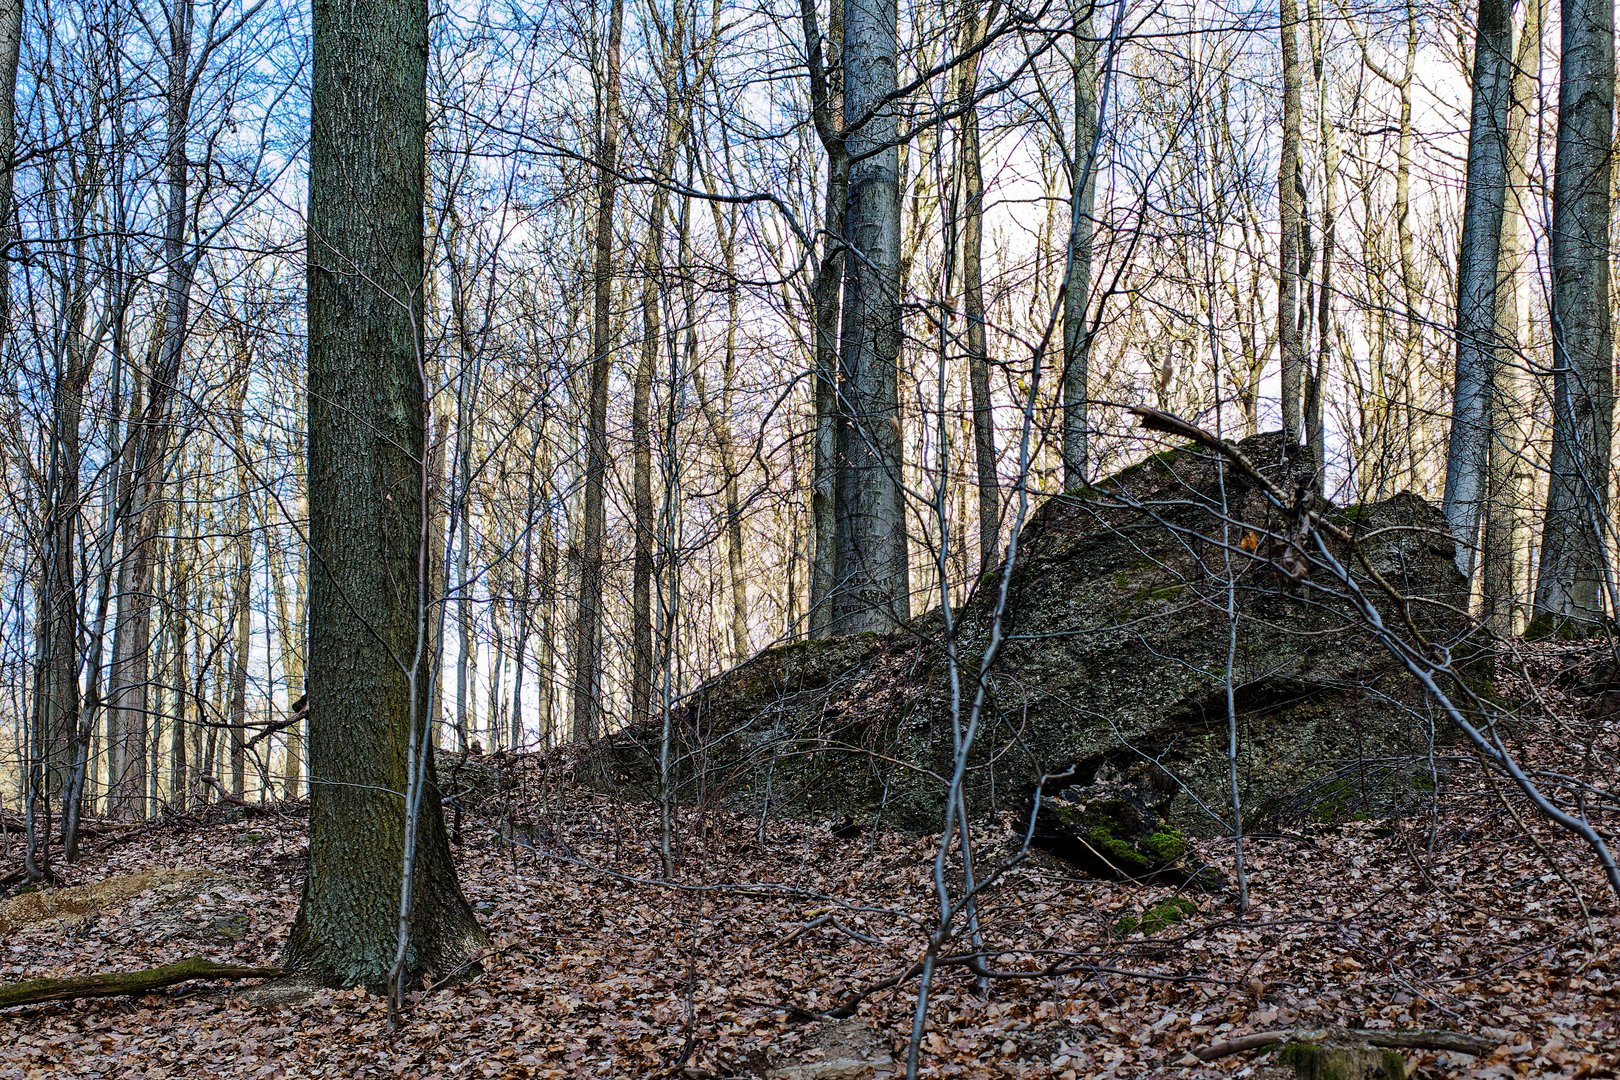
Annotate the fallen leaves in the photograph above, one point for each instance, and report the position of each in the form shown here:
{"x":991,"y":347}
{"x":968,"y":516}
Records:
{"x":600,"y":970}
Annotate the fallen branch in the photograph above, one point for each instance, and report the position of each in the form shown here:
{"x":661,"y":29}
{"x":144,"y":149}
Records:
{"x":1423,"y":1039}
{"x":123,"y":983}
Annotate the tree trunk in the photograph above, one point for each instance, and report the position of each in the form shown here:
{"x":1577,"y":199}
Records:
{"x":587,"y":680}
{"x":1504,"y":568}
{"x":1478,"y":268}
{"x":290,"y":635}
{"x":873,"y":590}
{"x":1291,"y":350}
{"x":827,"y":105}
{"x":1077,"y":280}
{"x":132,"y":634}
{"x":978,"y":353}
{"x":242,"y":587}
{"x":369,"y":661}
{"x":1574,"y":573}
{"x":642,"y":509}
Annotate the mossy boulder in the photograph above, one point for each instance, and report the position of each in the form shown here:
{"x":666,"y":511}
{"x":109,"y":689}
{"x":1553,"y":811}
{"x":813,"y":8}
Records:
{"x":1114,"y":830}
{"x":1113,"y":669}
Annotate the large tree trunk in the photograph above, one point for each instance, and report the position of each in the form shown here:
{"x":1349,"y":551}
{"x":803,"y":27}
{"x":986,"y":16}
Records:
{"x":1291,"y":349}
{"x":587,"y":680}
{"x":369,"y":647}
{"x":1573,"y":574}
{"x":1077,"y":280}
{"x":873,"y":589}
{"x":1504,"y":567}
{"x":1478,"y":267}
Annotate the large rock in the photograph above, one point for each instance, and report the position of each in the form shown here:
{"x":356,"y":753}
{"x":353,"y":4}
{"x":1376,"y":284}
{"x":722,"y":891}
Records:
{"x":1110,"y":678}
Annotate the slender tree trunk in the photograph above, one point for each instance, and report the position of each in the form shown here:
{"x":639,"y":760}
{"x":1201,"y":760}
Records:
{"x":290,"y":635}
{"x":827,"y":105}
{"x":369,"y":530}
{"x":242,"y":586}
{"x":1478,"y":269}
{"x":1504,"y":568}
{"x":1290,"y":213}
{"x":132,"y":637}
{"x":587,"y":704}
{"x":1574,"y":573}
{"x":1077,"y":281}
{"x":462,"y":507}
{"x":180,"y":637}
{"x":642,"y":509}
{"x":872,"y":567}
{"x":971,"y":171}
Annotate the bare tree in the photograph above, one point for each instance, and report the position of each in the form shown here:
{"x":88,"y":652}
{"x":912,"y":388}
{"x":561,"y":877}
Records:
{"x":593,"y":529}
{"x":872,"y":569}
{"x":1574,"y":575}
{"x":1478,"y":270}
{"x":379,"y":860}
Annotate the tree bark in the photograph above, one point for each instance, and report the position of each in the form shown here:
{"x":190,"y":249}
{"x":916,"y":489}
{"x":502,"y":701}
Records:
{"x":242,"y":586}
{"x":1291,"y":350}
{"x":824,"y":60}
{"x":1574,"y":574}
{"x":593,"y":528}
{"x":1504,"y":568}
{"x":1077,"y":280}
{"x":970,"y":167}
{"x":872,"y":568}
{"x":369,"y":636}
{"x":1478,"y":269}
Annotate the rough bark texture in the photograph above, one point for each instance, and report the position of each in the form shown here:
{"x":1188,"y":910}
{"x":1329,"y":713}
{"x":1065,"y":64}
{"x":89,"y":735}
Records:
{"x":873,"y":590}
{"x":1478,"y":270}
{"x":1573,"y":574}
{"x":369,"y":627}
{"x":1116,"y":638}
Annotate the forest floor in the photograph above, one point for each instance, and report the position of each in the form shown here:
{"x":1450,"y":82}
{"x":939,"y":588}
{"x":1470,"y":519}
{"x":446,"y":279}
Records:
{"x":1475,"y":918}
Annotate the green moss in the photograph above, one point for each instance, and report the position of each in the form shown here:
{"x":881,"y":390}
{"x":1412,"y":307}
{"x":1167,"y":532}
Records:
{"x":1333,"y":802}
{"x":1124,"y":857}
{"x":1165,"y":846}
{"x":1166,"y":914}
{"x":1126,"y":925}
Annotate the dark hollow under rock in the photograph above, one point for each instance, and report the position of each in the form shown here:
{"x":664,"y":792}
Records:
{"x":1117,"y":635}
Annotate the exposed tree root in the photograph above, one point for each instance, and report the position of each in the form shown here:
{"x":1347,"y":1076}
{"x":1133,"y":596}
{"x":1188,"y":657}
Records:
{"x":120,"y":983}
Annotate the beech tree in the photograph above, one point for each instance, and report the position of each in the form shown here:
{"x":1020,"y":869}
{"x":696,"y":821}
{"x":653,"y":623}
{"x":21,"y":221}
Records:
{"x":871,"y":567}
{"x":374,"y":811}
{"x":1576,"y":531}
{"x":1478,"y":265}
